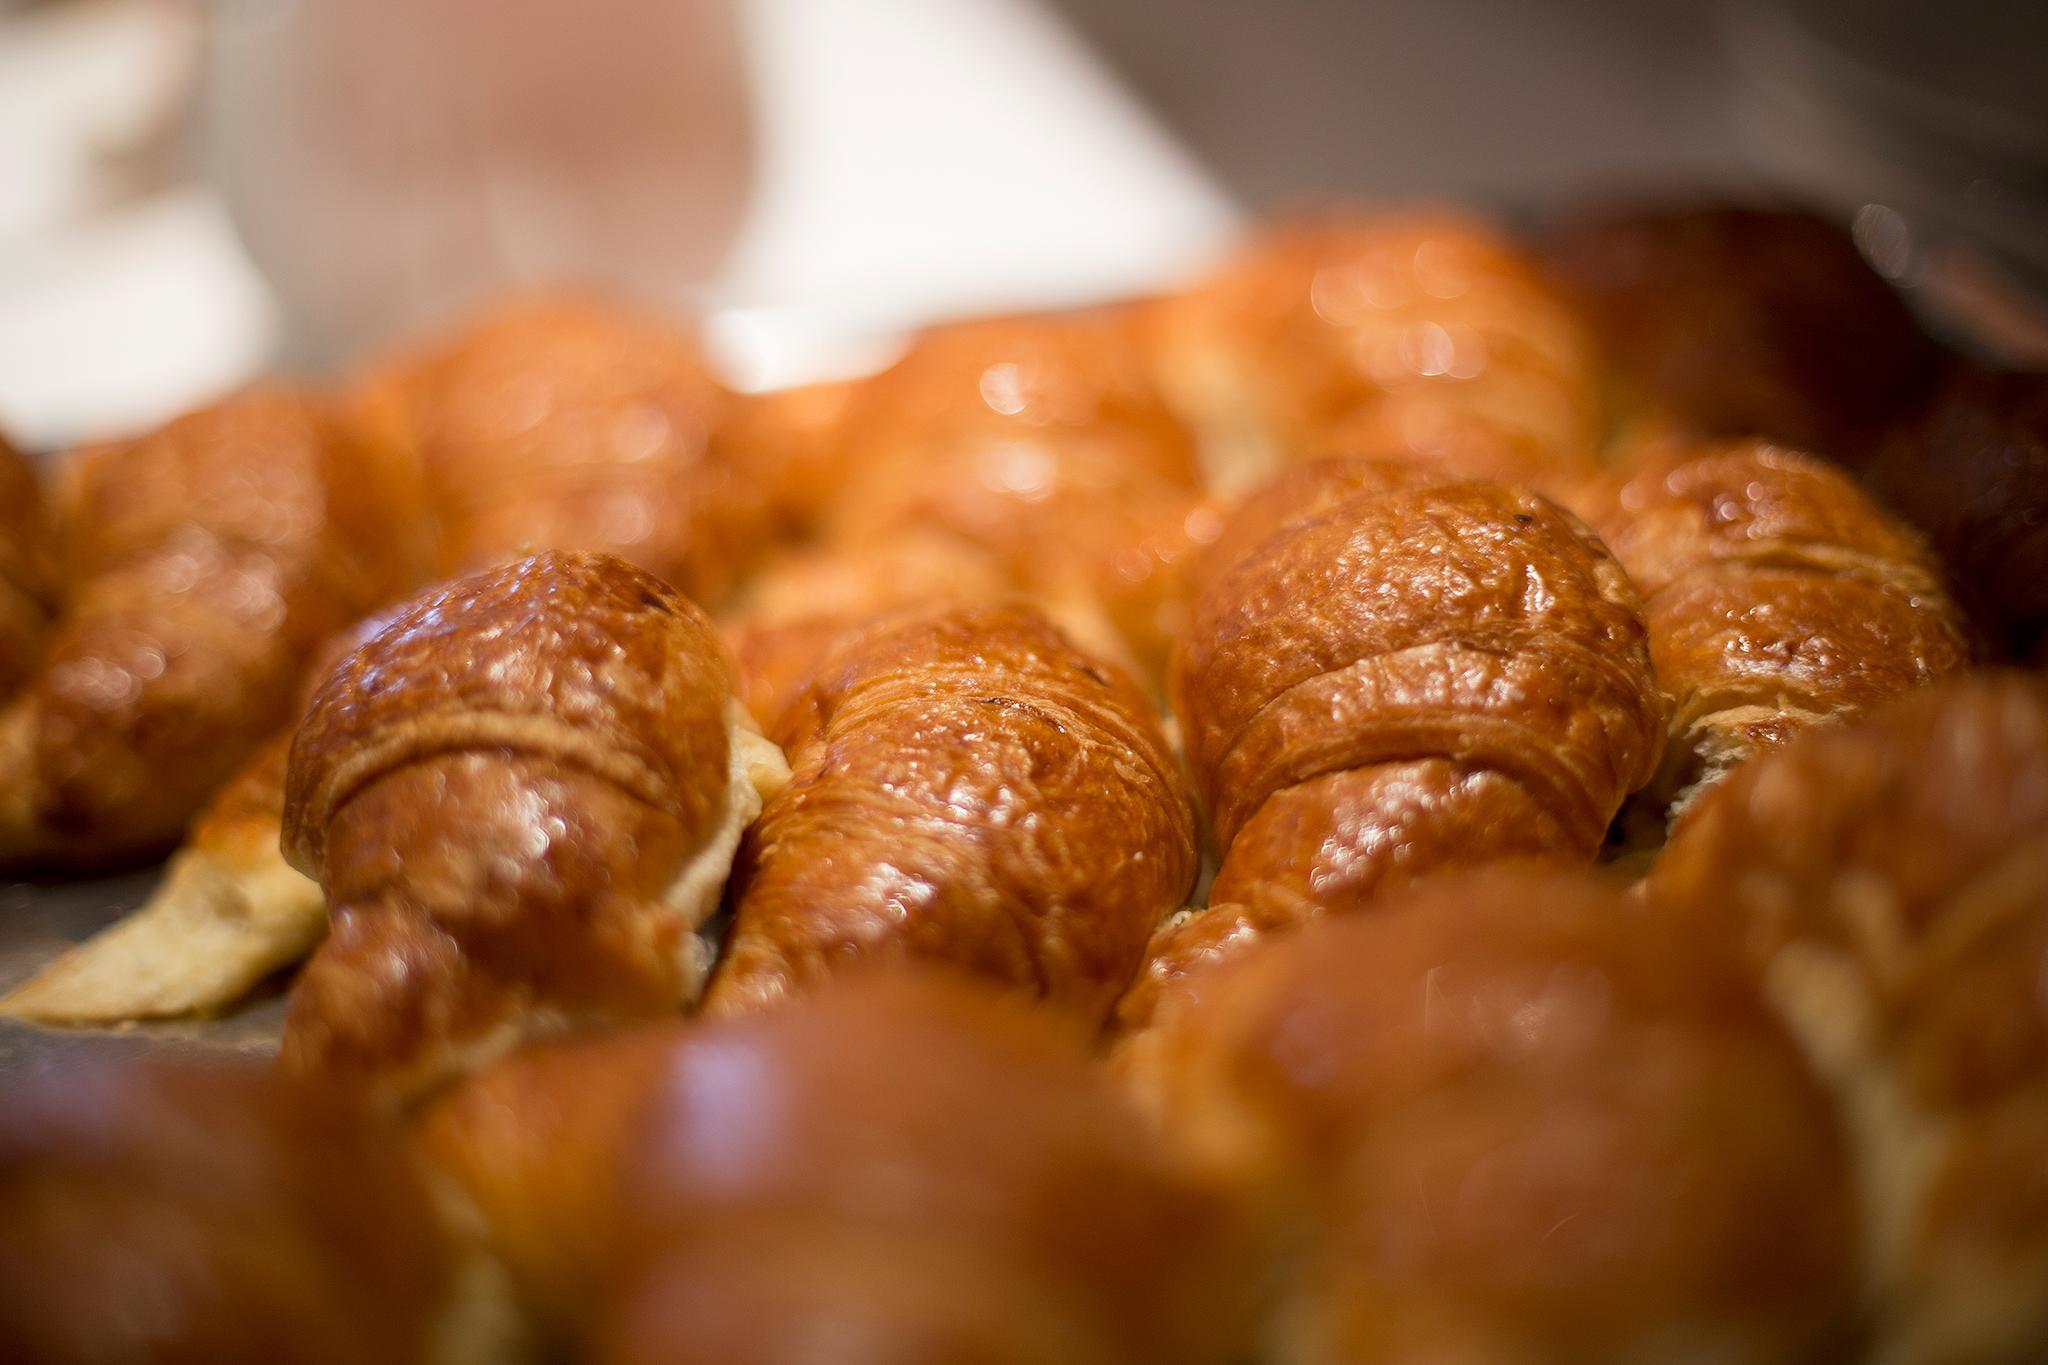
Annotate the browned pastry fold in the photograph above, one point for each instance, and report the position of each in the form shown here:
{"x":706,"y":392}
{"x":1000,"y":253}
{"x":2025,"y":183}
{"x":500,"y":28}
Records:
{"x":1414,"y":677}
{"x":1776,"y":594}
{"x":557,"y":422}
{"x":210,"y":1214}
{"x":1735,"y":322}
{"x":521,"y":800}
{"x":900,"y":1167}
{"x":1886,"y":881}
{"x":968,"y":788}
{"x":1515,"y":1119}
{"x":206,"y":563}
{"x":1422,"y":336}
{"x":29,"y":588}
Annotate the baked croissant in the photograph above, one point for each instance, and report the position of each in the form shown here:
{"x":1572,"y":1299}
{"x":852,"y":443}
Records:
{"x":898,"y":1168}
{"x":1426,"y":676}
{"x":206,"y":563}
{"x":186,"y":1213}
{"x":967,"y":788}
{"x":228,"y":912}
{"x":1421,"y":336}
{"x":1040,"y":445}
{"x":564,"y":423}
{"x":1740,"y":322}
{"x":1515,"y":1119}
{"x":521,"y":800}
{"x":1886,"y":881}
{"x":28,"y":569}
{"x":1777,"y":595}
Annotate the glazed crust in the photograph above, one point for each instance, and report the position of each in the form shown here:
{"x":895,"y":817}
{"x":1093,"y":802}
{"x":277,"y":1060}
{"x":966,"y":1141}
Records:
{"x":497,"y":793}
{"x":206,"y":563}
{"x":1516,"y":1120}
{"x":1423,"y":337}
{"x":939,"y":1175}
{"x":1776,"y":593}
{"x":967,"y":788}
{"x":1883,"y":880}
{"x":185,"y":1214}
{"x":1472,"y":621}
{"x":556,"y":422}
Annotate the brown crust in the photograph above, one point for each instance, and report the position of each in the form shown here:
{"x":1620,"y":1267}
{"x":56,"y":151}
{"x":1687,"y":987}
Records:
{"x":495,"y":793}
{"x":1776,"y":594}
{"x":1514,"y":1117}
{"x":1884,"y":880}
{"x":29,"y":574}
{"x":967,"y":788}
{"x":207,"y":561}
{"x":560,"y":422}
{"x":1424,"y":337}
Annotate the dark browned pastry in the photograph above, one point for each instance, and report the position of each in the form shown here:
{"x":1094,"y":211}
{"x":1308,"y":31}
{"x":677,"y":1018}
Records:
{"x":1515,"y":1119}
{"x":911,"y":1171}
{"x":1972,"y":472}
{"x":1744,"y":322}
{"x":556,"y":422}
{"x":1777,"y":595}
{"x":968,"y":788}
{"x":1432,"y":675}
{"x":29,"y":591}
{"x":1421,"y":336}
{"x":183,"y":1214}
{"x":521,"y":800}
{"x":206,"y":564}
{"x":1886,"y":881}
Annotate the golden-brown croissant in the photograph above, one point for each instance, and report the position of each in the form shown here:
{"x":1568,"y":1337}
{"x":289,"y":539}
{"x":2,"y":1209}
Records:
{"x":556,"y":422}
{"x":791,"y":444}
{"x":521,"y":800}
{"x":206,"y":563}
{"x":1738,"y":322}
{"x":898,"y":1168}
{"x":1517,"y":1119}
{"x":29,"y":589}
{"x":212,"y":1215}
{"x":1886,"y":881}
{"x":1777,"y":595}
{"x":1423,"y":336}
{"x":968,"y":788}
{"x":1040,"y":445}
{"x":1423,"y":676}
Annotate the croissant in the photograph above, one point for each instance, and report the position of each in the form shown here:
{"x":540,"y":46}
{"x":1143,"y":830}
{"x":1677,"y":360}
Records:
{"x":1041,"y":445}
{"x":1972,"y":473}
{"x":206,"y":563}
{"x":29,"y":588}
{"x":564,"y":423}
{"x":1514,"y":1119}
{"x":1421,"y":336}
{"x":967,"y":788}
{"x":228,"y":912}
{"x":180,"y":1212}
{"x":1776,"y":594}
{"x":791,"y":444}
{"x":1425,"y":676}
{"x":520,"y":801}
{"x":901,"y":1166}
{"x":1738,"y":322}
{"x":1884,"y":881}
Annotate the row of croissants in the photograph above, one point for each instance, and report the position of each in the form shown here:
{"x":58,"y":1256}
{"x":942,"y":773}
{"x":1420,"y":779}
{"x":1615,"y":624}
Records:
{"x":1432,"y":797}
